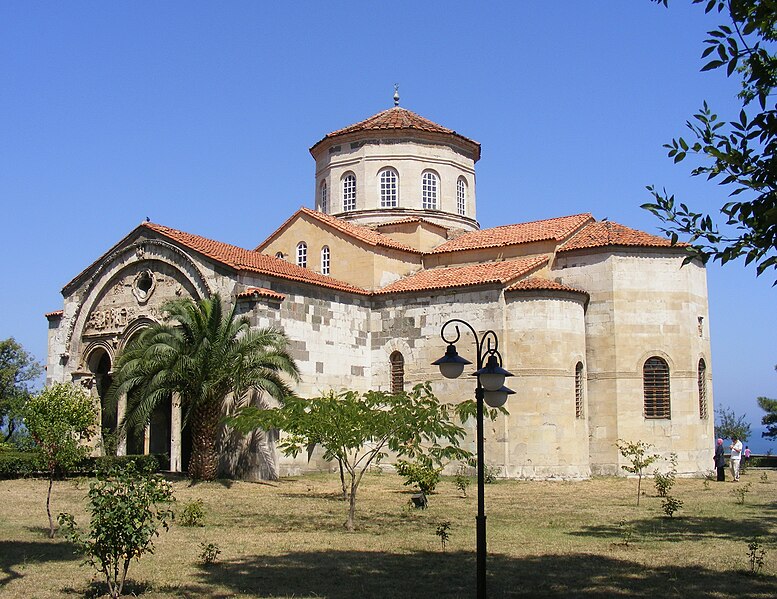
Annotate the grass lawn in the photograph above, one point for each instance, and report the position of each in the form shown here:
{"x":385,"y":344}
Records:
{"x":545,"y":539}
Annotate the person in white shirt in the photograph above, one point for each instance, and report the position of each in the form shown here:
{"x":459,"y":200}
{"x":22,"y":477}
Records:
{"x":736,"y":456}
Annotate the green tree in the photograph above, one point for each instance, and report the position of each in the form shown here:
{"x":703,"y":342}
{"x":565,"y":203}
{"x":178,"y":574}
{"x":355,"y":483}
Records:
{"x":61,"y":419}
{"x":19,"y":372}
{"x":127,"y":508}
{"x":730,"y":425}
{"x":740,"y":154}
{"x":770,"y":419}
{"x":639,"y":456}
{"x":358,"y":429}
{"x":204,"y":355}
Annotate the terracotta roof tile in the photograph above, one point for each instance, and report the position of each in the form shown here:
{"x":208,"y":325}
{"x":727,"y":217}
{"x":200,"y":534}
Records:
{"x":409,"y":219}
{"x":606,"y":233}
{"x":553,"y":229}
{"x":465,"y":276}
{"x":246,"y":260}
{"x":257,"y":292}
{"x":54,"y":314}
{"x":542,"y":284}
{"x":397,"y":118}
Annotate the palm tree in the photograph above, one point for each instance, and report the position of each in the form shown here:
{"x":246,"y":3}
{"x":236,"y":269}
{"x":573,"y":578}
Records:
{"x":204,"y":355}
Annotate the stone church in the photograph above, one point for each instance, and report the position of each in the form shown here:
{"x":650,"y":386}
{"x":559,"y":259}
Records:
{"x":605,"y":333}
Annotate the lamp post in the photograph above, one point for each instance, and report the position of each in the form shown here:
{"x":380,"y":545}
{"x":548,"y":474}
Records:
{"x":489,"y":389}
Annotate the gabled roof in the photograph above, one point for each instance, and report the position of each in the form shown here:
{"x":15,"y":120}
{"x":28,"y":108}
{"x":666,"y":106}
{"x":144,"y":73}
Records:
{"x":538,"y":283}
{"x":261,"y":292}
{"x":409,"y":220}
{"x":398,"y":119}
{"x":358,"y":232}
{"x":607,"y":233}
{"x":465,"y":276}
{"x":553,"y":229}
{"x":55,"y":314}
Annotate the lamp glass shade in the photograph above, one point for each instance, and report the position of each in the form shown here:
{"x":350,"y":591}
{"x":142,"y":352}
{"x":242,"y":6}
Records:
{"x":498,"y":398}
{"x":492,"y":381}
{"x":451,"y":370}
{"x":451,"y":364}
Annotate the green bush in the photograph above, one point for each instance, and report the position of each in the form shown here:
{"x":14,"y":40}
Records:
{"x":18,"y":464}
{"x":422,"y":474}
{"x":192,"y":514}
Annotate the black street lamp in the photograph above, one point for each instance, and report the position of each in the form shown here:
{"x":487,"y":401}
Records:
{"x":491,"y":390}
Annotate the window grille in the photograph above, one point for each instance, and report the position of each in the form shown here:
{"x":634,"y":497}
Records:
{"x":302,"y":254}
{"x":429,"y":184}
{"x":397,"y":372}
{"x":461,"y":196}
{"x":389,"y":192}
{"x":655,"y":380}
{"x":702,"y":389}
{"x":349,"y":193}
{"x":324,"y":198}
{"x":579,"y":390}
{"x":325,"y":260}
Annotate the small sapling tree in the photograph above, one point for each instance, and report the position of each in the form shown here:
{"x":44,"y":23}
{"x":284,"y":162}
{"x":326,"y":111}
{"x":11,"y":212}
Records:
{"x":357,"y":430}
{"x":61,"y":420}
{"x":422,"y":473}
{"x":664,"y":481}
{"x":127,"y":508}
{"x":639,"y":456}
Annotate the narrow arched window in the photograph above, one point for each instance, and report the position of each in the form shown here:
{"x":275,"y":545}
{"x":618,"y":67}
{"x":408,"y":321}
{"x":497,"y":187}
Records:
{"x":324,"y":198}
{"x":579,"y":390}
{"x":302,"y":254}
{"x":655,"y":382}
{"x":397,"y":372}
{"x":702,"y":381}
{"x":349,"y":192}
{"x":389,"y":188}
{"x":461,"y":196}
{"x":429,"y":186}
{"x":325,"y":260}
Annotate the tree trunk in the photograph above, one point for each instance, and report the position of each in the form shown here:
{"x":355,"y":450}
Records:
{"x":48,"y":506}
{"x":349,"y":524}
{"x":342,"y":479}
{"x":203,"y":464}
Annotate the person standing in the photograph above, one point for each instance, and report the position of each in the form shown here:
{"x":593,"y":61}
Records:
{"x":720,"y":461}
{"x":736,"y":456}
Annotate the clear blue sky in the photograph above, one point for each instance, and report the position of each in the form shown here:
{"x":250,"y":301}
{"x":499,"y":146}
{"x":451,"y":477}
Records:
{"x":200,"y":115}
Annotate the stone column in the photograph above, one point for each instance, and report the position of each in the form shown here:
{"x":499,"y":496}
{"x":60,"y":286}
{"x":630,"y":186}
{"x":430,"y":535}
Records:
{"x":121,"y":442}
{"x":175,"y":434}
{"x":147,"y":440}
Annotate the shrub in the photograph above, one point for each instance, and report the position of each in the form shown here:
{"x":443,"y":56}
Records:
{"x":442,"y":532}
{"x":192,"y":514}
{"x":18,"y":464}
{"x":670,"y":505}
{"x":764,"y":478}
{"x":462,"y":480}
{"x":756,"y":555}
{"x":491,"y":474}
{"x":209,"y":552}
{"x":665,"y":481}
{"x":740,"y":493}
{"x":419,"y":473}
{"x":127,"y":508}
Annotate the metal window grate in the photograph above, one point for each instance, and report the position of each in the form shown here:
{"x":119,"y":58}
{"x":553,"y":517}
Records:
{"x":702,"y":389}
{"x":397,"y":372}
{"x":655,"y":379}
{"x":461,"y":196}
{"x":349,"y":193}
{"x":579,"y":390}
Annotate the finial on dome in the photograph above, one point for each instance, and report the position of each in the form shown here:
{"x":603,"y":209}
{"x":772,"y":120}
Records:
{"x":396,"y":94}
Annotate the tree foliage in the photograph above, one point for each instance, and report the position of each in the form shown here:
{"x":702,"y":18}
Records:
{"x":740,"y":154}
{"x":729,"y":425}
{"x":357,"y":430}
{"x":769,"y":420}
{"x":639,"y":456}
{"x":205,"y":356}
{"x":127,"y":508}
{"x":19,"y":372}
{"x":61,"y":420}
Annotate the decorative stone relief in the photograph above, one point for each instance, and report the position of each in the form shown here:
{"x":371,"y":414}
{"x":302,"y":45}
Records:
{"x":115,"y":320}
{"x":143,"y":286}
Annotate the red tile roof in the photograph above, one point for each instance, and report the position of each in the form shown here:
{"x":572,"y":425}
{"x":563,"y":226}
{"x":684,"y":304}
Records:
{"x":257,"y":292}
{"x":408,"y":220}
{"x":553,"y":229}
{"x":245,"y":260}
{"x":398,"y":119}
{"x":606,"y":233}
{"x":360,"y":232}
{"x":465,"y":276}
{"x":542,"y":284}
{"x":54,"y":314}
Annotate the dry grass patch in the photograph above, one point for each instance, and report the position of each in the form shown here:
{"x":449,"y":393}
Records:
{"x":286,"y":539}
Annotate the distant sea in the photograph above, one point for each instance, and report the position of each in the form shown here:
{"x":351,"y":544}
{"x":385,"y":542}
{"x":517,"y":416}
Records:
{"x":758,"y":444}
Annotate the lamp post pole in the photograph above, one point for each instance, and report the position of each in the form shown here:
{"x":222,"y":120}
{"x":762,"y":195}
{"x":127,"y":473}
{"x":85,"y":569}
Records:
{"x":489,"y":389}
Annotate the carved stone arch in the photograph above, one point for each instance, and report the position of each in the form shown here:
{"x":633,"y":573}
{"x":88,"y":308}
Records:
{"x":88,"y":356}
{"x":133,"y":328}
{"x":124,"y":258}
{"x":398,"y":354}
{"x":654,"y":353}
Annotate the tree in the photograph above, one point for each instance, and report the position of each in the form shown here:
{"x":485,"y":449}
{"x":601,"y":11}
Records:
{"x":204,"y":355}
{"x":358,"y":429}
{"x":730,"y":425}
{"x":770,"y":419}
{"x":639,"y":456}
{"x":740,"y":154}
{"x":18,"y":373}
{"x":61,"y":420}
{"x":127,"y":508}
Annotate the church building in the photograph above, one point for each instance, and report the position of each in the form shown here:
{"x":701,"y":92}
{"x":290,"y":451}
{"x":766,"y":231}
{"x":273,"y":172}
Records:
{"x":604,"y":330}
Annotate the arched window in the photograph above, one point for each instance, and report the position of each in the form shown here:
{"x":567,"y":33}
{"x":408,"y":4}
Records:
{"x":349,"y":192}
{"x":579,"y":390}
{"x":461,"y":196}
{"x":325,"y":260}
{"x":429,"y":186}
{"x":302,"y":254}
{"x":279,"y":255}
{"x":324,"y":198}
{"x":655,"y":382}
{"x":702,"y":389}
{"x":389,"y":188}
{"x":397,"y":372}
